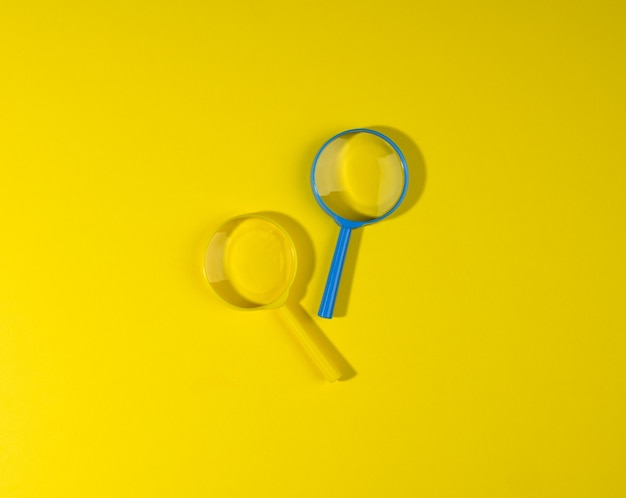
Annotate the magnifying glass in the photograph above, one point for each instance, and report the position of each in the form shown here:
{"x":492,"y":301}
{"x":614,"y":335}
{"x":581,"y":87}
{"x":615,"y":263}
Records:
{"x":358,"y":177}
{"x":250,"y":263}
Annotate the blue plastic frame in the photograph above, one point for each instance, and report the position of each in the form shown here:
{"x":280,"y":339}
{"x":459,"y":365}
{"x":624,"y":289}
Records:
{"x":346,"y":226}
{"x":344,"y":221}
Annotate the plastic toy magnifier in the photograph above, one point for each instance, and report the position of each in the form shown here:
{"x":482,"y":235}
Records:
{"x":250,"y":263}
{"x":358,"y":177}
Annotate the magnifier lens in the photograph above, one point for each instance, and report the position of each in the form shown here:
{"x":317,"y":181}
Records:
{"x":359,"y":176}
{"x":250,"y":263}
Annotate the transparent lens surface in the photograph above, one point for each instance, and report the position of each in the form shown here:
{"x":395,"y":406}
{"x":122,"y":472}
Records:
{"x":359,"y":176}
{"x":250,"y":262}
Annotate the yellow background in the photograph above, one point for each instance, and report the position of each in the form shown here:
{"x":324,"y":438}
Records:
{"x":485,"y":327}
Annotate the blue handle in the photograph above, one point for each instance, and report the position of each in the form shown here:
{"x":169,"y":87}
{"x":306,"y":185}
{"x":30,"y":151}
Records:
{"x":334,"y":275}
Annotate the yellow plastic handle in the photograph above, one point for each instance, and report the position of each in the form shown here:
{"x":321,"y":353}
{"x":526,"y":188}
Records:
{"x":330,"y":371}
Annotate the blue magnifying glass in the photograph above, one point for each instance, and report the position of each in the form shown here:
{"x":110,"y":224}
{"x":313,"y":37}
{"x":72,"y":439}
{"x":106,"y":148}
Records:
{"x":358,"y":177}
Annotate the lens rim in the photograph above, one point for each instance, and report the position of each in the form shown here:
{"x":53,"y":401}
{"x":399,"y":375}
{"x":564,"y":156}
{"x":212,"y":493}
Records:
{"x":346,"y":222}
{"x":244,"y":304}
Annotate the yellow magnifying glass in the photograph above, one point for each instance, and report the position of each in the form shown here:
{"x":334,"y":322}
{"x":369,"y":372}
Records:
{"x":250,"y":263}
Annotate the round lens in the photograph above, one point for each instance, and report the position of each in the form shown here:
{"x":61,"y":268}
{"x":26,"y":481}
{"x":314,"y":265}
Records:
{"x":250,"y":262}
{"x":359,"y":176}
